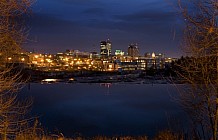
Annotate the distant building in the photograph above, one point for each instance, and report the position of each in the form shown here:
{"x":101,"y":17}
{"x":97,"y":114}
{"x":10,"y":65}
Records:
{"x":93,"y":55}
{"x":155,"y":61}
{"x":133,"y":50}
{"x":148,"y":55}
{"x":81,"y":54}
{"x":119,"y":53}
{"x":77,"y":53}
{"x":160,"y":55}
{"x":128,"y":66}
{"x":154,"y":55}
{"x":105,"y":48}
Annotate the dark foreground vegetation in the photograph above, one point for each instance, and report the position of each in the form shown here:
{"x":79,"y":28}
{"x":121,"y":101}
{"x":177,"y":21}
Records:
{"x":164,"y":135}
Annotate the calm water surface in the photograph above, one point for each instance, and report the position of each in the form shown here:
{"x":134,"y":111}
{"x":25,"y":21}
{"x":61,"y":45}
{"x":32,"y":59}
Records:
{"x":94,"y":109}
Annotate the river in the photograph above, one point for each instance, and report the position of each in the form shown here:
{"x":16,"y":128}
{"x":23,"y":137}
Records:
{"x":104,"y":109}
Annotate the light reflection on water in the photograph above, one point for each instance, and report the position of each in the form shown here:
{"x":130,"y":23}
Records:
{"x":130,"y":109}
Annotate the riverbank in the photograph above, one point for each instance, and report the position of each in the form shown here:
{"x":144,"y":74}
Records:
{"x":135,"y":77}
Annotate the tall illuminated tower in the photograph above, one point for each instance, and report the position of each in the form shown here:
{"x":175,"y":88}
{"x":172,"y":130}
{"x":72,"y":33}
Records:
{"x":105,"y":48}
{"x":133,"y":50}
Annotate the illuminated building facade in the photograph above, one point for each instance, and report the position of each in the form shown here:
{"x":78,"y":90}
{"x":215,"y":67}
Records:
{"x":133,"y":50}
{"x":155,"y":61}
{"x":105,"y":48}
{"x":119,"y":53}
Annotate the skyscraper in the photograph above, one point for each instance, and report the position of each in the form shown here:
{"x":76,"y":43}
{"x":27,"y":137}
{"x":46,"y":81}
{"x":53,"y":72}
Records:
{"x":133,"y":50}
{"x":105,"y":48}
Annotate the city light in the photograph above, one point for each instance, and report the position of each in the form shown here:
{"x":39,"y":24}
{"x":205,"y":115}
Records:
{"x":36,"y":56}
{"x":78,"y":60}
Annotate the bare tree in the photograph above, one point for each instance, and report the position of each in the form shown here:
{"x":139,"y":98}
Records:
{"x":12,"y":30}
{"x":12,"y":35}
{"x":199,"y":71}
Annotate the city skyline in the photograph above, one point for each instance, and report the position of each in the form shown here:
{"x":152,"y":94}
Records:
{"x":99,"y":51}
{"x":71,"y":24}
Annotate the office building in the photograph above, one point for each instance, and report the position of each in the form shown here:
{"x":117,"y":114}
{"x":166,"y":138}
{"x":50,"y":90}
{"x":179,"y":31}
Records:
{"x":105,"y":48}
{"x":133,"y":50}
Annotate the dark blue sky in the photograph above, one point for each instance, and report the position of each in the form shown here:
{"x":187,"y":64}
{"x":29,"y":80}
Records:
{"x":57,"y":25}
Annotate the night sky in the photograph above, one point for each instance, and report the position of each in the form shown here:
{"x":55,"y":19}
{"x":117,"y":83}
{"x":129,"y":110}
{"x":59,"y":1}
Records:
{"x":57,"y":25}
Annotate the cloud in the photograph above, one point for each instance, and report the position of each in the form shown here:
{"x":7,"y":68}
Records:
{"x":53,"y":34}
{"x":144,"y":23}
{"x":84,"y":23}
{"x":80,"y":2}
{"x":94,"y":11}
{"x":148,"y":16}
